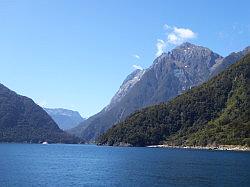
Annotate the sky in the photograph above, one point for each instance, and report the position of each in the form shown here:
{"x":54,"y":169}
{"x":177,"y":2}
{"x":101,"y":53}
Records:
{"x":75,"y":54}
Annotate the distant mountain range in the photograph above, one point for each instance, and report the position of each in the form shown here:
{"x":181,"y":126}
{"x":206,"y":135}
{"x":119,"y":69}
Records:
{"x":170,"y":75}
{"x":22,"y":120}
{"x":215,"y":113}
{"x":65,"y":118}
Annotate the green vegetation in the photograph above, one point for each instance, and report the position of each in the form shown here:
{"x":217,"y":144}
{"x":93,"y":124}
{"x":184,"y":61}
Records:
{"x":21,"y":120}
{"x":35,"y":135}
{"x":216,"y":112}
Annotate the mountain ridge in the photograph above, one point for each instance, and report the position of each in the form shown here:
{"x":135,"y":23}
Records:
{"x":65,"y":118}
{"x":171,"y":74}
{"x":214,"y":113}
{"x":22,"y":120}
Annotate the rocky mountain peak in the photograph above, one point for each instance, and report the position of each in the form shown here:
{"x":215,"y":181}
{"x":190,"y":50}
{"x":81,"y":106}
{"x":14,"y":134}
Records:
{"x":187,"y":50}
{"x":171,"y":74}
{"x":187,"y":60}
{"x":189,"y":54}
{"x":246,"y":50}
{"x":187,"y":45}
{"x":126,"y":86}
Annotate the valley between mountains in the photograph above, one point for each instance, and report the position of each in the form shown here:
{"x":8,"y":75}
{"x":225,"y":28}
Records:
{"x":189,"y":96}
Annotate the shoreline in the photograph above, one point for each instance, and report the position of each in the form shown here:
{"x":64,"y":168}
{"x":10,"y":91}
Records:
{"x":214,"y":148}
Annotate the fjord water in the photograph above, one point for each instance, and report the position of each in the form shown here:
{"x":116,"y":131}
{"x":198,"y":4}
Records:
{"x":90,"y":165}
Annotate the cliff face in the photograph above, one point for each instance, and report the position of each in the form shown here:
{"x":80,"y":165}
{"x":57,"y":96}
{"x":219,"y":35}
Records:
{"x":214,"y":113}
{"x":170,"y":75}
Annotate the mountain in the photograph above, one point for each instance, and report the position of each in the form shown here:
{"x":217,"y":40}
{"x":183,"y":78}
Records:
{"x":21,"y":120}
{"x":98,"y":123}
{"x":126,"y":86}
{"x":64,"y":118}
{"x":229,"y":60}
{"x":171,"y":74}
{"x":217,"y":112}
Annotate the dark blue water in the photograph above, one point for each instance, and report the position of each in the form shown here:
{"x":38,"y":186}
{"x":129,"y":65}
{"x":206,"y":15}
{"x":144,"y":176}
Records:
{"x":88,"y":165}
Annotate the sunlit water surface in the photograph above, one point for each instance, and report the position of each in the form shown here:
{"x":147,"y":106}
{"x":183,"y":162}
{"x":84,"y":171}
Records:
{"x":90,"y":165}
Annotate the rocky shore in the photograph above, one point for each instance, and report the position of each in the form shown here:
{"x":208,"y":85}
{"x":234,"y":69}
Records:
{"x":209,"y":147}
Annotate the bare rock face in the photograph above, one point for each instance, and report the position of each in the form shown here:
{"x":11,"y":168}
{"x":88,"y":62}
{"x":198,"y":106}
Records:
{"x":125,"y":88}
{"x":171,"y":74}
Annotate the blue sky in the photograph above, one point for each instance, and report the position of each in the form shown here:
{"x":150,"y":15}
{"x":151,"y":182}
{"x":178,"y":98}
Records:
{"x":75,"y":54}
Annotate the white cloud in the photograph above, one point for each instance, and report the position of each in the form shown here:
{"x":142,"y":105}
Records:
{"x":160,"y":46}
{"x":173,"y":39}
{"x":175,"y":36}
{"x":136,"y":56}
{"x":137,"y":67}
{"x":184,"y":33}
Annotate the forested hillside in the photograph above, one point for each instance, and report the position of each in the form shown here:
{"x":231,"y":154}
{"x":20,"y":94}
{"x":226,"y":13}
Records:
{"x":21,"y":120}
{"x":217,"y":112}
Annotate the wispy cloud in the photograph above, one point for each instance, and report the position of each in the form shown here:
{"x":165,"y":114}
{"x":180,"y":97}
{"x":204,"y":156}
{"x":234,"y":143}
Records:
{"x":136,"y":56}
{"x":174,"y":36}
{"x":160,"y":47}
{"x":137,"y":67}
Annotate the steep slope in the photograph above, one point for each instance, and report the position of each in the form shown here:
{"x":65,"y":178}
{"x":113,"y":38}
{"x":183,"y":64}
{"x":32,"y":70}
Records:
{"x":65,"y":118}
{"x":170,"y":75}
{"x":101,"y":121}
{"x":217,"y":112}
{"x":126,"y":87}
{"x":229,"y":60}
{"x":21,"y":120}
